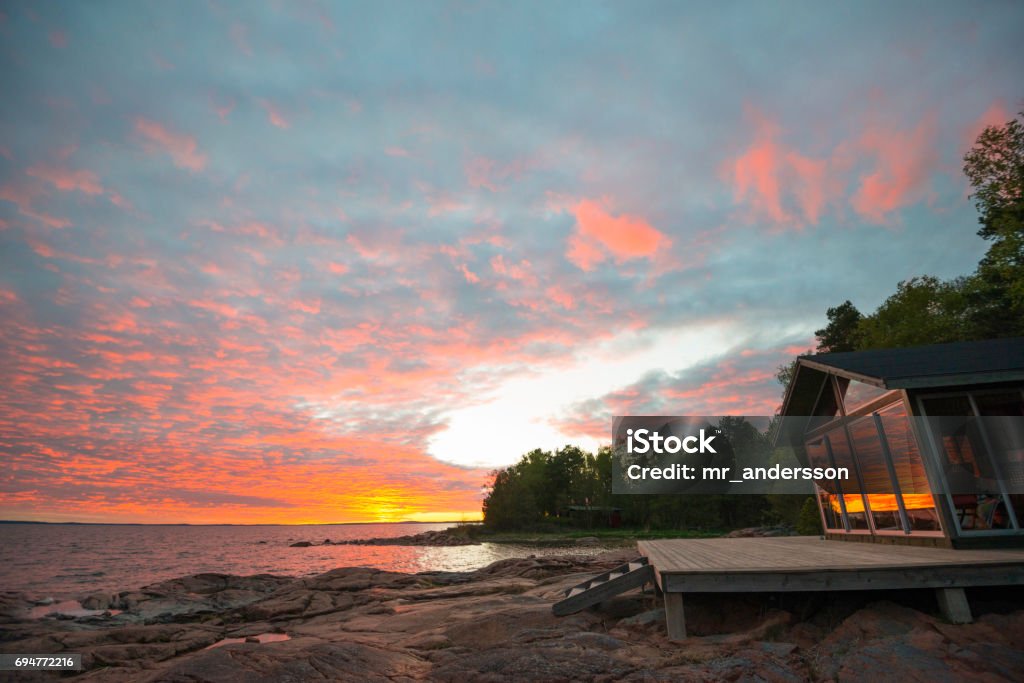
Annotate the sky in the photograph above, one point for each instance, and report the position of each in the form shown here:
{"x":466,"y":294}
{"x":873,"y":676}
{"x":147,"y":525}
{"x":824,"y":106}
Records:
{"x":302,"y":262}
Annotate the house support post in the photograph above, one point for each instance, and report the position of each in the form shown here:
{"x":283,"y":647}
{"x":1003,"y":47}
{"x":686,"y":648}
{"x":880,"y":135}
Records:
{"x":674,"y":617}
{"x":953,"y":605}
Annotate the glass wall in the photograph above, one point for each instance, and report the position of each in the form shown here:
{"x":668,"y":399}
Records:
{"x":856,"y":394}
{"x":908,"y":467}
{"x":888,"y":491}
{"x":872,"y":461}
{"x":841,"y":456}
{"x":980,"y":444}
{"x":829,"y":492}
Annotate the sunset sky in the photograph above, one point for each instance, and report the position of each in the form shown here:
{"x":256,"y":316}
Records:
{"x":324,"y":262}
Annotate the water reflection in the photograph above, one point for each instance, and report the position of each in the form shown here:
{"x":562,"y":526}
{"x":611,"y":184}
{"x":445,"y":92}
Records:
{"x":70,"y":561}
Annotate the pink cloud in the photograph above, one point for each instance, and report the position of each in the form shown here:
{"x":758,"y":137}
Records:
{"x":515,"y":271}
{"x":66,"y":179}
{"x":182,"y":149}
{"x":904,"y":160}
{"x":312,"y":307}
{"x":23,"y":198}
{"x":275,"y":116}
{"x":397,"y":152}
{"x":470,"y":276}
{"x":337,"y":268}
{"x":583,"y":254}
{"x":598,"y":233}
{"x":777,"y":183}
{"x":561,"y":297}
{"x":995,"y":115}
{"x":810,"y":184}
{"x":58,"y":39}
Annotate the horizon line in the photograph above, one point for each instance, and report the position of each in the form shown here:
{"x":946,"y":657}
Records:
{"x":408,"y":521}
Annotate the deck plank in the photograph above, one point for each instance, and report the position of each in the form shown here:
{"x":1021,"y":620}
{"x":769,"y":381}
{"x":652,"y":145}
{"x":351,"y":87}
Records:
{"x":806,"y":553}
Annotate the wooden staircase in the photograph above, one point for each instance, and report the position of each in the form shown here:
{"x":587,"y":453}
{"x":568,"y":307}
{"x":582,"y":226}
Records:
{"x":631,"y":575}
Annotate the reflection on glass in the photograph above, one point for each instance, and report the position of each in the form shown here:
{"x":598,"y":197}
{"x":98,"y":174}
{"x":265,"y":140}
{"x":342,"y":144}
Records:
{"x":874,"y":473}
{"x":836,"y":440}
{"x":828,"y":499}
{"x":909,"y":467}
{"x":1002,"y":413}
{"x":856,"y":394}
{"x":966,"y":463}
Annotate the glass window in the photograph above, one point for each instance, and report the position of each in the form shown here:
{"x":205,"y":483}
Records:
{"x":856,"y":394}
{"x":909,"y":466}
{"x":828,"y":497}
{"x":836,"y":442}
{"x":874,"y":474}
{"x":966,"y":463}
{"x":1001,"y":412}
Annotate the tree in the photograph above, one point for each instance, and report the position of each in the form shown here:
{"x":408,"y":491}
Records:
{"x":809,"y":522}
{"x":995,"y":167}
{"x":841,"y":333}
{"x":924,"y":310}
{"x":509,"y":504}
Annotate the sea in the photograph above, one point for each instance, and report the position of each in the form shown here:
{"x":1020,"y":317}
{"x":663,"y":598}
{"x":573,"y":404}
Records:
{"x":70,"y":561}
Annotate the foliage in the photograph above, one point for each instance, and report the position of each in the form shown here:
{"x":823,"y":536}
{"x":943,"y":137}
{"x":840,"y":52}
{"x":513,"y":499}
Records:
{"x":535,"y":493}
{"x":924,"y":310}
{"x":809,"y":521}
{"x":995,"y":167}
{"x":841,"y":333}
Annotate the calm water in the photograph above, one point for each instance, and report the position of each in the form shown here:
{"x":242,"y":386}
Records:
{"x":71,"y":561}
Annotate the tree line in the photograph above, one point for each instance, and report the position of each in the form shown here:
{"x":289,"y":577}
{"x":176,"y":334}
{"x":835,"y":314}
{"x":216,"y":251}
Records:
{"x":545,"y":488}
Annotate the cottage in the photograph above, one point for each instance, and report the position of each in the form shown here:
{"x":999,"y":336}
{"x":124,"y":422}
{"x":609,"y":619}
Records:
{"x":934,"y":437}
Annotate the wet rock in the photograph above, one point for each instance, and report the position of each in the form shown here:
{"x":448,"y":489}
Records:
{"x":99,"y":601}
{"x":300,"y":544}
{"x":428,"y":538}
{"x":13,"y":605}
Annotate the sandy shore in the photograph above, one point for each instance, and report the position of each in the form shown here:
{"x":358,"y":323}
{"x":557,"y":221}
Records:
{"x":495,"y":624}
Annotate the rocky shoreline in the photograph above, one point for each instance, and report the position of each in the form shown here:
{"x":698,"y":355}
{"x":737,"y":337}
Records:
{"x":427,"y":538}
{"x":495,"y":624}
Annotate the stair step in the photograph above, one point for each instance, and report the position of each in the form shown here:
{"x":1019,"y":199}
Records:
{"x":604,"y":586}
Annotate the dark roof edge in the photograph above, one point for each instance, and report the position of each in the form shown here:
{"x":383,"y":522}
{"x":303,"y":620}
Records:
{"x":833,"y":370}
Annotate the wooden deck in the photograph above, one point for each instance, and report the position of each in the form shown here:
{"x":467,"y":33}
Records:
{"x":806,"y":563}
